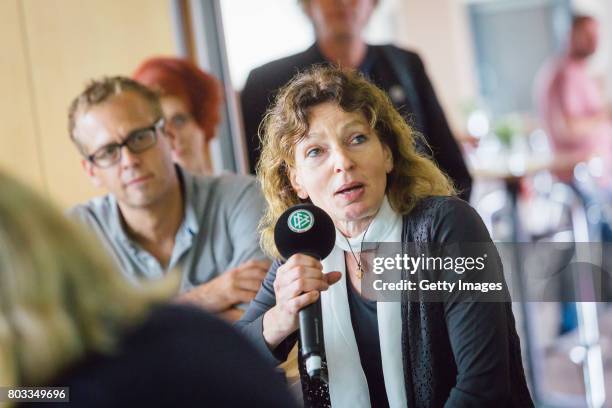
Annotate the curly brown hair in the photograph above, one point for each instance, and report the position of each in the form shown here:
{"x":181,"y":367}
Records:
{"x":414,"y":175}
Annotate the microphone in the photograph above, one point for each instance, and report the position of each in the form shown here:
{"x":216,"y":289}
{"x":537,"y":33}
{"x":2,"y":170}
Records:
{"x":308,"y":230}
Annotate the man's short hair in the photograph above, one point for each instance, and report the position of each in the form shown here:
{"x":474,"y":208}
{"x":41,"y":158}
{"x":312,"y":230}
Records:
{"x":304,"y":3}
{"x":579,"y":19}
{"x":99,"y":90}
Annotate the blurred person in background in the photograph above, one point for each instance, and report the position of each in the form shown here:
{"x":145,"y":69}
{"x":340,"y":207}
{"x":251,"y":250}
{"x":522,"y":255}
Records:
{"x":157,"y":216}
{"x":338,"y":27}
{"x":573,"y":107}
{"x":191,"y":101}
{"x":578,"y":120}
{"x":575,"y":115}
{"x":69,"y":319}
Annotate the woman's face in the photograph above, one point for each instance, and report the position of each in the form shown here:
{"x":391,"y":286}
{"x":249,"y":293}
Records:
{"x":186,"y":136}
{"x":341,"y":165}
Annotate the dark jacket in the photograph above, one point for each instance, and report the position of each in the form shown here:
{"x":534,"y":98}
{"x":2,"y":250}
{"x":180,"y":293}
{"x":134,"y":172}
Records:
{"x":455,"y":354}
{"x":178,"y":357}
{"x":398,"y":72}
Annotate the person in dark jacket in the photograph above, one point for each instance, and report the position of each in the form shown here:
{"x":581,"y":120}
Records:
{"x":338,"y":28}
{"x":69,"y":318}
{"x":334,"y":139}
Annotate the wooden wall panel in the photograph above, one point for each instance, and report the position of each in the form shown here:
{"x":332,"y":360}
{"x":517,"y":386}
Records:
{"x":19,"y":153}
{"x":71,"y":41}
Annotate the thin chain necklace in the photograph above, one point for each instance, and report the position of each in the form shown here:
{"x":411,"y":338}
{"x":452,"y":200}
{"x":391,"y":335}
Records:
{"x":360,"y":270}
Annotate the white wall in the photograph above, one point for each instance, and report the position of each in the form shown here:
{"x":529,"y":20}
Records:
{"x":260,"y":31}
{"x":439,"y":31}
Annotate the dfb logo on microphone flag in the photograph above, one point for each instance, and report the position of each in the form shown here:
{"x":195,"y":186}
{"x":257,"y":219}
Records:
{"x":300,"y":221}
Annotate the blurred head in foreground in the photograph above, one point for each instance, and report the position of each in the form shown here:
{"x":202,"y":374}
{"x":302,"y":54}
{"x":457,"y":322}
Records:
{"x":68,"y":319}
{"x":60,"y":296}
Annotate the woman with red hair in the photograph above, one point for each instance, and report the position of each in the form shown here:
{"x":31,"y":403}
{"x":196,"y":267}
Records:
{"x":190,"y":99}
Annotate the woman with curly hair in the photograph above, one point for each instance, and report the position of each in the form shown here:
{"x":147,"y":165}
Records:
{"x":333,"y":139}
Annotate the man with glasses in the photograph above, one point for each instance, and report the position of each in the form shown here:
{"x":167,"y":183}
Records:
{"x":157,"y":217}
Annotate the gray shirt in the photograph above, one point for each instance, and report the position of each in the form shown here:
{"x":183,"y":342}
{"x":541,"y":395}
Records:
{"x":218,"y":232}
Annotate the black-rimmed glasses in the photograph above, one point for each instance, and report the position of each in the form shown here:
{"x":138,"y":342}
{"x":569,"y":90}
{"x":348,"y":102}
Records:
{"x":137,"y":142}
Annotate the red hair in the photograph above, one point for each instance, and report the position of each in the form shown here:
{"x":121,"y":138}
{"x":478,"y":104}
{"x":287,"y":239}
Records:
{"x":178,"y":77}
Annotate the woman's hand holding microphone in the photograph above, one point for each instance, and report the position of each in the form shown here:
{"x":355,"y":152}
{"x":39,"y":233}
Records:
{"x":298,"y":283}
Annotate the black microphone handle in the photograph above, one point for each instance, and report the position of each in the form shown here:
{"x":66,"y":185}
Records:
{"x":311,"y":336}
{"x":311,"y":329}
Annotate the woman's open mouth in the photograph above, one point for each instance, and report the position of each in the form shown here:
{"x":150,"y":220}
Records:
{"x":350,"y":191}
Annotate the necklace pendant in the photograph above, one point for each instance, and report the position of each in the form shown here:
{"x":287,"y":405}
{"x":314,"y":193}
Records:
{"x":359,"y":272}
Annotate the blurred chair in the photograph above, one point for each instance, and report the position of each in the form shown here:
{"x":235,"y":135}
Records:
{"x":568,"y":220}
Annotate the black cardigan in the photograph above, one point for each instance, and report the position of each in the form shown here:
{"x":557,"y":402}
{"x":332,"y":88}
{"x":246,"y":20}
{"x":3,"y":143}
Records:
{"x":392,"y":67}
{"x":455,"y":354}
